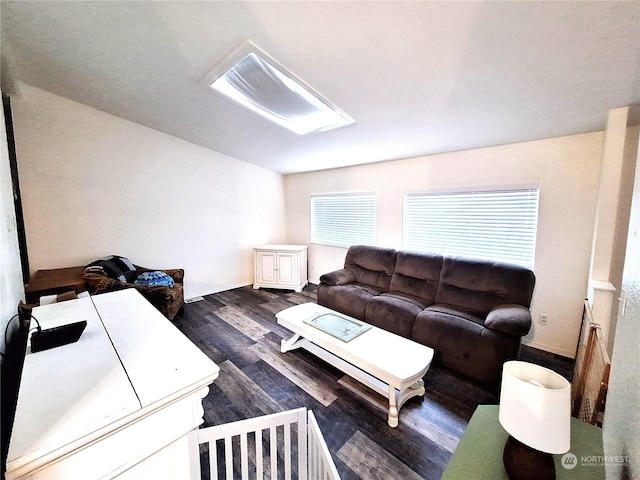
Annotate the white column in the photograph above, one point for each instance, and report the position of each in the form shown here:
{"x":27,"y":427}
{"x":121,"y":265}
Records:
{"x":612,"y":219}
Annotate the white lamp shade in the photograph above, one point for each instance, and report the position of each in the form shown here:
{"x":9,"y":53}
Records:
{"x":535,"y":406}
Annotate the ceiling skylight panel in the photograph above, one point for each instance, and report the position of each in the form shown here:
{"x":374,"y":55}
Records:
{"x":257,"y":82}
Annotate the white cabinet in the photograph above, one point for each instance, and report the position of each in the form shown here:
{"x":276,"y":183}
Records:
{"x":119,"y":402}
{"x":280,"y":266}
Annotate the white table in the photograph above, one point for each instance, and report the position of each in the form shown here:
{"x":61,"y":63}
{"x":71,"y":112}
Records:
{"x":118,"y":402}
{"x":387,"y":363}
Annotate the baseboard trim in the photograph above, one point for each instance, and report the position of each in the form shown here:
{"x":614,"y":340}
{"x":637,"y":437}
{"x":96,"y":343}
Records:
{"x":210,"y":290}
{"x":550,"y":349}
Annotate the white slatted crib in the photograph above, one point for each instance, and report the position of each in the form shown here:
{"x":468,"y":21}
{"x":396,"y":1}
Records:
{"x":286,"y":445}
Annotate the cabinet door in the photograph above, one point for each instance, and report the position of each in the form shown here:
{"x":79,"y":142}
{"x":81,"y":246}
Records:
{"x":267,"y":269}
{"x":287,"y":268}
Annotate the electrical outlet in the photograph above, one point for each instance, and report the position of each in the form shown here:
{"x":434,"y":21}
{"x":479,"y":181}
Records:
{"x":542,"y":318}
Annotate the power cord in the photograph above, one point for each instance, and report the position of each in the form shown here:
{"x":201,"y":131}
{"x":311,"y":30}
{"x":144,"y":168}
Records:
{"x":6,"y":329}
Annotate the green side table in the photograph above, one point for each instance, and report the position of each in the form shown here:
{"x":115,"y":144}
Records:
{"x":479,"y":453}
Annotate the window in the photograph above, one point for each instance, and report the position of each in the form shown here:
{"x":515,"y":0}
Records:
{"x":343,"y":219}
{"x":495,"y":225}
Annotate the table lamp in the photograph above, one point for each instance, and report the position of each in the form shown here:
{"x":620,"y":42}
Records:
{"x":535,"y":409}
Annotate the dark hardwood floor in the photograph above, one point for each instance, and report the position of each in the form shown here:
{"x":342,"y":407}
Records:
{"x":238,"y":331}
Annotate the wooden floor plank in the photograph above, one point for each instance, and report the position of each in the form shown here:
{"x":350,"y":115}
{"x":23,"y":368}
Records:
{"x":230,"y":343}
{"x":372,"y":461}
{"x":277,"y":305}
{"x":266,"y":319}
{"x":235,"y":317}
{"x":366,"y":394}
{"x":243,"y":395}
{"x":284,"y":392}
{"x":313,"y":381}
{"x":299,"y":298}
{"x":423,"y":424}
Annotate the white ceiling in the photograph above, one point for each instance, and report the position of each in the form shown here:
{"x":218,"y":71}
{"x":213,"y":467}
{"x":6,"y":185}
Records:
{"x":418,"y":77}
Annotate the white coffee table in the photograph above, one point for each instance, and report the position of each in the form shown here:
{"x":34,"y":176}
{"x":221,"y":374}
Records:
{"x":387,"y":363}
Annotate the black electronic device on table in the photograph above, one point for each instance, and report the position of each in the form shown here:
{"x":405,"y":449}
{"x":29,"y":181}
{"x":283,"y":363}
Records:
{"x":44,"y":339}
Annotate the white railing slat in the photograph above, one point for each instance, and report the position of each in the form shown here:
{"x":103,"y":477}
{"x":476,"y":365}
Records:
{"x":273,"y":444}
{"x":287,"y":451}
{"x":323,"y":457}
{"x":302,"y":445}
{"x":259,"y":465}
{"x":213,"y":460}
{"x":244,"y":457}
{"x":228,"y":457}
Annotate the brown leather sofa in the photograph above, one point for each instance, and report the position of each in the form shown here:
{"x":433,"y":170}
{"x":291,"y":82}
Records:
{"x":117,"y":273}
{"x":472,"y":312}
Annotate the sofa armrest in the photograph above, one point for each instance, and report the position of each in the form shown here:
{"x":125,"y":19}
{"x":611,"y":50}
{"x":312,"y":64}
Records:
{"x":339,"y":277}
{"x":511,"y":319}
{"x":176,"y":273}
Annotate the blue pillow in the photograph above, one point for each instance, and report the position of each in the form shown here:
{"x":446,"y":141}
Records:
{"x":154,"y":278}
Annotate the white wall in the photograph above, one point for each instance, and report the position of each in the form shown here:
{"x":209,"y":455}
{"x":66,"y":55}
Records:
{"x":94,"y":184}
{"x":567,"y":170}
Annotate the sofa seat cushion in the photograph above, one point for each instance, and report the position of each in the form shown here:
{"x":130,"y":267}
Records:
{"x":349,"y":299}
{"x":450,"y":311}
{"x":463,"y":345}
{"x":394,"y":312}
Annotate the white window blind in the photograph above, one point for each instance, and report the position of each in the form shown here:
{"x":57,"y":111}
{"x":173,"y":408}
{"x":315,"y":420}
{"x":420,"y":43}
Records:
{"x":495,"y":225}
{"x":343,"y":219}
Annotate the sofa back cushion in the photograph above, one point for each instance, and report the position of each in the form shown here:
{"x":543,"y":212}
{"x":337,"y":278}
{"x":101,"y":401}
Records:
{"x":481,"y":285}
{"x":417,"y":274}
{"x":371,"y":265}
